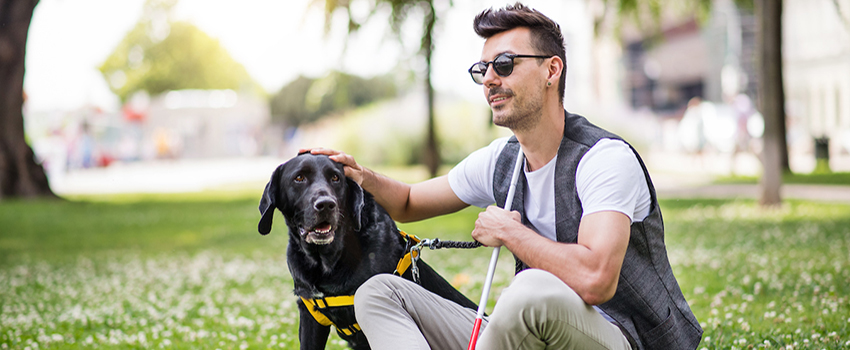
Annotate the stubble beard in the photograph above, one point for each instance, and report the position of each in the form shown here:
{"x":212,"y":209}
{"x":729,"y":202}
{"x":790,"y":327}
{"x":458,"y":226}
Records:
{"x":521,"y":115}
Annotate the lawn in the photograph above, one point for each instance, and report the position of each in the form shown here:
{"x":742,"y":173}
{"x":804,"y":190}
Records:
{"x":191,"y":272}
{"x":818,"y":178}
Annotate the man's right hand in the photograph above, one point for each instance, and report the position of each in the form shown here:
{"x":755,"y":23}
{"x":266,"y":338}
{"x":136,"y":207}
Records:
{"x":352,"y":170}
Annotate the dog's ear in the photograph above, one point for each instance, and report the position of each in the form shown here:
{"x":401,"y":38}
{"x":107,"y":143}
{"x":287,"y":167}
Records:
{"x":268,"y":202}
{"x":355,"y":199}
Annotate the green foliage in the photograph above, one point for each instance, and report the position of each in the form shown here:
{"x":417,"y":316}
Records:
{"x":647,"y":15}
{"x":306,"y":100}
{"x":190,"y":271}
{"x":158,"y":55}
{"x":815,"y":178}
{"x":391,"y":133}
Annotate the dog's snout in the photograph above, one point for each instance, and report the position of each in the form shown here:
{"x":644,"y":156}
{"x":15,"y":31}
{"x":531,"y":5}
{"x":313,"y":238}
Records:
{"x":324,"y":203}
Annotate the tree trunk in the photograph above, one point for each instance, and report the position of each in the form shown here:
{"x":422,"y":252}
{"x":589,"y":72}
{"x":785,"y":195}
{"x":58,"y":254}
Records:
{"x":432,"y":150}
{"x":20,"y":175}
{"x":771,"y":98}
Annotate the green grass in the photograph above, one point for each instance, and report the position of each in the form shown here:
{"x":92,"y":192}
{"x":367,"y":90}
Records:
{"x":191,"y":272}
{"x":815,"y":178}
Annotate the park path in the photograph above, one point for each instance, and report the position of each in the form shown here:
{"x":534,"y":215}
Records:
{"x":677,"y":175}
{"x":673,"y":177}
{"x":826,"y":193}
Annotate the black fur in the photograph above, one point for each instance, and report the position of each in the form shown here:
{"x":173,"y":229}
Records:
{"x":312,"y":191}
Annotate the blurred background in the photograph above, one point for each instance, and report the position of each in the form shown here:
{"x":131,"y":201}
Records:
{"x":158,"y":122}
{"x":183,"y":95}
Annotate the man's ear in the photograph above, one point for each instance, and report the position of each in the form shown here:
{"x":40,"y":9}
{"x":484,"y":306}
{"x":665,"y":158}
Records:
{"x":355,"y":200}
{"x":556,"y":66}
{"x":268,"y":202}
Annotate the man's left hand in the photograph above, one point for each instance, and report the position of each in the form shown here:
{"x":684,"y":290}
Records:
{"x":493,"y":224}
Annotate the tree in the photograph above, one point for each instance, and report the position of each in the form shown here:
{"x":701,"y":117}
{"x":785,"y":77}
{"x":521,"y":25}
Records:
{"x":158,"y":55}
{"x":771,"y":99}
{"x":20,"y":175}
{"x":399,"y":11}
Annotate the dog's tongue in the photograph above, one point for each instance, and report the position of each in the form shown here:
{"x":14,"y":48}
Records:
{"x":322,"y":228}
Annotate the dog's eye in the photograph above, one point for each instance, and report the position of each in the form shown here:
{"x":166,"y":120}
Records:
{"x":335,"y":178}
{"x":299,"y":178}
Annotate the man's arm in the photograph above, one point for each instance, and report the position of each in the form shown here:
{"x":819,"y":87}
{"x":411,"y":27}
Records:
{"x":591,"y":267}
{"x":404,"y":202}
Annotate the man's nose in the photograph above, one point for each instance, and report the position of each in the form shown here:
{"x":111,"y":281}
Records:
{"x":490,"y":77}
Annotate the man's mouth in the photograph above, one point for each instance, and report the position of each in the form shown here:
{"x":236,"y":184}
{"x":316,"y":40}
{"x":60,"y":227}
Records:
{"x":321,"y":234}
{"x":498,"y":98}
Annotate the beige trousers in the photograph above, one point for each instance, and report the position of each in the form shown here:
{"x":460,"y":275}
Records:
{"x":537,"y":311}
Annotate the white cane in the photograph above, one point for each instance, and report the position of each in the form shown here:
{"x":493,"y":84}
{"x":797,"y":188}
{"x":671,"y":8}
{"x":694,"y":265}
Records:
{"x":491,"y":270}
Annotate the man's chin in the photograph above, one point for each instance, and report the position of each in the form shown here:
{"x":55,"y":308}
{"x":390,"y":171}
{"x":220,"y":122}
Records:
{"x":501,"y":118}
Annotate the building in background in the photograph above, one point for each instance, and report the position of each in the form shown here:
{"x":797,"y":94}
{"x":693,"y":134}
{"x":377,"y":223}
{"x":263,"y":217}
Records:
{"x":816,"y":48}
{"x":204,"y":124}
{"x":185,"y":124}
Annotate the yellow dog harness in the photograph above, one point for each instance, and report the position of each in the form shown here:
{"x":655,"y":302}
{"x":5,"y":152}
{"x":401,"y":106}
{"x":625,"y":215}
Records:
{"x":315,"y":306}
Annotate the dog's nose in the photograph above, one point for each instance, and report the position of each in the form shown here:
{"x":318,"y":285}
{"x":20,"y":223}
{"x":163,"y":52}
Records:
{"x":323,"y":204}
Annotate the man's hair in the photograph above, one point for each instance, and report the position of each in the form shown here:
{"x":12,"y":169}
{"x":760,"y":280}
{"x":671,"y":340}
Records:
{"x":546,"y":37}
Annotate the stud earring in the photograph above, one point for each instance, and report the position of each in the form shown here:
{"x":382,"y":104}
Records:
{"x":549,"y":83}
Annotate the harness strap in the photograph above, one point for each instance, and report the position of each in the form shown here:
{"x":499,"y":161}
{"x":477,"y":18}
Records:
{"x":314,"y":310}
{"x":314,"y":306}
{"x":405,"y":262}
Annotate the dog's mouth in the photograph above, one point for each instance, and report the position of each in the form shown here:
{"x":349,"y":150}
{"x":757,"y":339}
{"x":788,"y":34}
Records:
{"x":321,"y":234}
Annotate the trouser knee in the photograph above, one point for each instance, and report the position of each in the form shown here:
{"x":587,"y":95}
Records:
{"x":377,"y":287}
{"x":535,"y":289}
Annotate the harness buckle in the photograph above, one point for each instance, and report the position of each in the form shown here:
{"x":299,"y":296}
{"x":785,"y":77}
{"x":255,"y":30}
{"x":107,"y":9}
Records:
{"x":414,"y":257}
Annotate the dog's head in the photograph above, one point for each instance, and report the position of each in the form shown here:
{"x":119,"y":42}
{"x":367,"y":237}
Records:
{"x":314,"y":196}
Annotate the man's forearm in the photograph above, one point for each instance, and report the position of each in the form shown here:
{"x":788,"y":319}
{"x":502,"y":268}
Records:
{"x":591,"y":273}
{"x":406,"y":203}
{"x":391,"y":194}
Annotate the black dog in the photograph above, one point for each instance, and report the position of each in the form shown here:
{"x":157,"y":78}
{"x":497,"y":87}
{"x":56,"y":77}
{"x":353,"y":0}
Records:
{"x":338,"y":238}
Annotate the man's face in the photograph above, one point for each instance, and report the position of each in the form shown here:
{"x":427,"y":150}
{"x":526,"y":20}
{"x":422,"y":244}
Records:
{"x":516,"y":100}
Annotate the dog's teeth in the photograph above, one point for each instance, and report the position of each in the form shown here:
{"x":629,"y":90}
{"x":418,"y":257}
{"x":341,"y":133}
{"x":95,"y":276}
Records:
{"x":323,"y":229}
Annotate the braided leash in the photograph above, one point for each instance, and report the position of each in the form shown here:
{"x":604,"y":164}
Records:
{"x":435,"y":243}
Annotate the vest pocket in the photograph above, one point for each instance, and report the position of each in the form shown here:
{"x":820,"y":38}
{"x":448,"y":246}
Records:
{"x":662,"y":336}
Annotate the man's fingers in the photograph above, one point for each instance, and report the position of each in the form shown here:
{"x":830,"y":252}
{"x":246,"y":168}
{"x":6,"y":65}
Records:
{"x":516,"y":215}
{"x":337,"y":156}
{"x":319,"y":150}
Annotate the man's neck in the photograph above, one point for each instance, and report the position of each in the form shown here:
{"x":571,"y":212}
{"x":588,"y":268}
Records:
{"x":540,"y":143}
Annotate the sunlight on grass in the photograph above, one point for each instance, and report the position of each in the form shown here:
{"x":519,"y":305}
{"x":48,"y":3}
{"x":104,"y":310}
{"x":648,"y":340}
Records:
{"x":191,"y":271}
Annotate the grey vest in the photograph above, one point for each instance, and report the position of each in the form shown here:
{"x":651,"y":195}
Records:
{"x":648,"y":304}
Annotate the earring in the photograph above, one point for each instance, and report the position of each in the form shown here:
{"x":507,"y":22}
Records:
{"x":549,"y":83}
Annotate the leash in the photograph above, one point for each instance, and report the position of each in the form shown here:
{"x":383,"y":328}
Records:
{"x":416,"y":244}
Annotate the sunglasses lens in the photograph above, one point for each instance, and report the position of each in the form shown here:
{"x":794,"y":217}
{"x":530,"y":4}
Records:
{"x":503,"y":65}
{"x":477,"y":71}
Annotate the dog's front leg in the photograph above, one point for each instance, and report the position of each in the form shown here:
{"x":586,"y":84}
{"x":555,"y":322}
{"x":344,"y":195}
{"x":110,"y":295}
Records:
{"x":311,"y":334}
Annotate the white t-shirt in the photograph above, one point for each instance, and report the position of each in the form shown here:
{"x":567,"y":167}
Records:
{"x":608,"y":177}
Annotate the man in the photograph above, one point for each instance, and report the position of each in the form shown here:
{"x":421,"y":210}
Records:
{"x":587,"y":232}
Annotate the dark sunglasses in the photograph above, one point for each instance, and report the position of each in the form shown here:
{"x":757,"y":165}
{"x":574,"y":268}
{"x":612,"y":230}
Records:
{"x":503,"y":64}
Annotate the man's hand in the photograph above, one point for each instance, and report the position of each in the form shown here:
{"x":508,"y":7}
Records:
{"x":352,"y":170}
{"x":494,"y":223}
